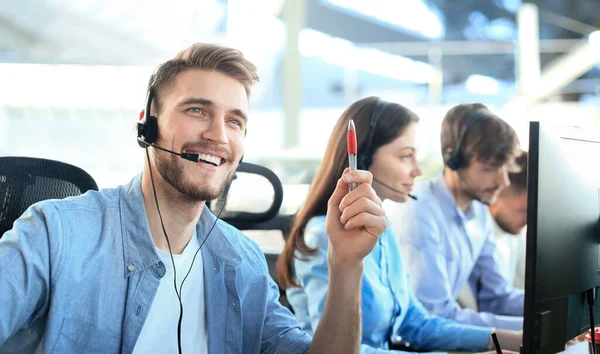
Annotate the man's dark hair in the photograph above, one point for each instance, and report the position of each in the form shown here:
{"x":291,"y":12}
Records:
{"x":518,"y":180}
{"x":491,"y":139}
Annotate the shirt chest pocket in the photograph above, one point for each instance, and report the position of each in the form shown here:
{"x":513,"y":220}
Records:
{"x":79,"y":337}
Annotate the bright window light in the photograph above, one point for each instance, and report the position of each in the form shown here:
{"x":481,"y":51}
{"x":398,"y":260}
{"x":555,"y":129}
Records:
{"x":159,"y":24}
{"x":344,"y":53}
{"x":412,"y":15}
{"x":594,"y":39}
{"x":482,"y":85}
{"x":85,"y":86}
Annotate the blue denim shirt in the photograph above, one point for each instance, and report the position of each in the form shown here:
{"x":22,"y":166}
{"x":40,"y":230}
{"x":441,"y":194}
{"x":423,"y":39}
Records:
{"x":445,"y":249}
{"x":390,"y":309}
{"x":79,"y":275}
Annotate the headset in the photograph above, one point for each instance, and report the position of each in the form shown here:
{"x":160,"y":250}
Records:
{"x":147,"y":127}
{"x":365,"y":158}
{"x":456,"y":160}
{"x":147,"y":133}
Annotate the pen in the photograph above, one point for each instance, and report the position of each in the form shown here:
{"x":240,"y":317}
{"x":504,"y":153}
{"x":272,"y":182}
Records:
{"x":496,"y":343}
{"x":351,"y":150}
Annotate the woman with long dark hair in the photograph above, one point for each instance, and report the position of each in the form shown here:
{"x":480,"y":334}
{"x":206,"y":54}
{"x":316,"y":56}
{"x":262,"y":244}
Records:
{"x":392,"y":317}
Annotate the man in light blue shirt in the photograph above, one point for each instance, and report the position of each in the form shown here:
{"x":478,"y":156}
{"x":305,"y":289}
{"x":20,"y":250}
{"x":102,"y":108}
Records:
{"x":447,"y":236}
{"x":84,"y":275}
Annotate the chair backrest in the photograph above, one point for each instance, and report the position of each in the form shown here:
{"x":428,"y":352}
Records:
{"x":26,"y":180}
{"x":238,"y":201}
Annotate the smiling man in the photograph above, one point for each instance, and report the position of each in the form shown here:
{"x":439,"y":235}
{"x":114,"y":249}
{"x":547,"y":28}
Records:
{"x":147,"y":268}
{"x":447,"y":236}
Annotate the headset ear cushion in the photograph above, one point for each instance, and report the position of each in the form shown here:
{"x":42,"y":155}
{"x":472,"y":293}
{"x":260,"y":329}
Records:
{"x":455,"y":159}
{"x":147,"y":130}
{"x":451,"y":161}
{"x":140,"y":133}
{"x":363,"y":162}
{"x":454,"y":162}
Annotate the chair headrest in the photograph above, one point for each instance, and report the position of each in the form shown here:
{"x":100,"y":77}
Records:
{"x":255,"y":196}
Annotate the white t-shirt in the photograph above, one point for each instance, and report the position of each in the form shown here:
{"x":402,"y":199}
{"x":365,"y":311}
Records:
{"x":510,"y":254}
{"x":159,"y":334}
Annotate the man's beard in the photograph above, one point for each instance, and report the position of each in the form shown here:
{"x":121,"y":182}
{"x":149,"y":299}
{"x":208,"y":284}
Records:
{"x":171,"y":170}
{"x":474,"y":193}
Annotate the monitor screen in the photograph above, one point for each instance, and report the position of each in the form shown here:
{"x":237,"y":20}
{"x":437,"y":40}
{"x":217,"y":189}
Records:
{"x":563,"y":242}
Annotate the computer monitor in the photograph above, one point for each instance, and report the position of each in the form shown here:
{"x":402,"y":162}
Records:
{"x":563,"y":237}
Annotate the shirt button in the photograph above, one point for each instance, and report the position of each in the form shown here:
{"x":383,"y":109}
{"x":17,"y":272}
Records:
{"x":160,"y":270}
{"x":131,"y":267}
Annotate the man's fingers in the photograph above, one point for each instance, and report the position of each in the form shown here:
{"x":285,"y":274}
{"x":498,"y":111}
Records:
{"x":358,"y":176}
{"x":362,"y":191}
{"x":341,"y":189}
{"x":374,"y":224}
{"x":363,"y":204}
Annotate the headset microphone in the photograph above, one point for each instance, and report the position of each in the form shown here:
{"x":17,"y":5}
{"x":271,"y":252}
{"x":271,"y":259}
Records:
{"x":484,"y":202}
{"x":147,"y":131}
{"x":184,"y":155}
{"x":413,"y":197}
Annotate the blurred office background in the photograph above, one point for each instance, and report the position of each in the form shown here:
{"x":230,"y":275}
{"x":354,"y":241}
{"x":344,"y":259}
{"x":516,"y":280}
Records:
{"x":73,"y":73}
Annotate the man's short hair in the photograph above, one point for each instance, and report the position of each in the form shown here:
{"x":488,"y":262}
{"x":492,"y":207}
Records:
{"x":204,"y":56}
{"x":518,"y":180}
{"x":491,"y":139}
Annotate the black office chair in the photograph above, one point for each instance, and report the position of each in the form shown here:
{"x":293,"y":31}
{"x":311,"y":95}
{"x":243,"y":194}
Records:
{"x":241,"y":209}
{"x":239,"y":216}
{"x":26,"y":180}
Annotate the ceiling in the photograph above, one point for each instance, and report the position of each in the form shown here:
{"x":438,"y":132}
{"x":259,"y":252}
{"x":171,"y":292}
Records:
{"x":144,"y":32}
{"x":468,"y":20}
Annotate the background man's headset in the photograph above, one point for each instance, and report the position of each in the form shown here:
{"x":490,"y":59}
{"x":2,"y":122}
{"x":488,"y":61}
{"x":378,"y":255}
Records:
{"x":147,"y":133}
{"x":456,"y":160}
{"x":365,"y":157}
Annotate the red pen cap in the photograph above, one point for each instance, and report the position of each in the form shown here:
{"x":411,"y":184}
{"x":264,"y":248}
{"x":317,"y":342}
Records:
{"x":351,"y":138}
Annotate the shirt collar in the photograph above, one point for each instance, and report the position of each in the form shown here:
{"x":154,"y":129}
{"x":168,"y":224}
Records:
{"x":138,"y":246}
{"x":497,"y":229}
{"x":220,"y":242}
